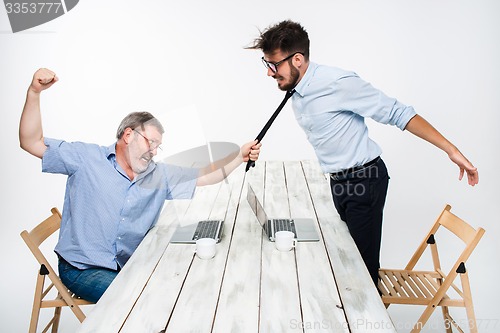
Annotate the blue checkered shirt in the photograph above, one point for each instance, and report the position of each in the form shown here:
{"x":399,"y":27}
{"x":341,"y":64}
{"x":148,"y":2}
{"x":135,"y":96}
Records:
{"x":105,"y":215}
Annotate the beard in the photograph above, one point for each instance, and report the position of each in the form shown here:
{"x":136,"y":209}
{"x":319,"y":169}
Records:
{"x":142,"y":164}
{"x":294,"y":79}
{"x":138,"y":160}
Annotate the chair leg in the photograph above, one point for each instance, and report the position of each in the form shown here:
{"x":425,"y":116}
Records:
{"x":469,"y":307}
{"x":416,"y":328}
{"x":423,"y":319}
{"x":57,"y":318}
{"x":37,"y":302}
{"x":447,"y":323}
{"x":34,"y":319}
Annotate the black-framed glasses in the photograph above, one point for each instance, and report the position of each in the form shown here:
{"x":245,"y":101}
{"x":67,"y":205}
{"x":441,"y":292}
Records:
{"x":152,"y":144}
{"x":273,"y":66}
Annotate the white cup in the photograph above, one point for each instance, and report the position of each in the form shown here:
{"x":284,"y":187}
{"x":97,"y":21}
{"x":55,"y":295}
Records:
{"x":205,"y":248}
{"x":284,"y":240}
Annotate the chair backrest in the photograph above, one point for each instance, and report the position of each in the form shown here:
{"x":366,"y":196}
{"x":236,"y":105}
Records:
{"x":40,"y":233}
{"x":457,"y":226}
{"x":461,"y":229}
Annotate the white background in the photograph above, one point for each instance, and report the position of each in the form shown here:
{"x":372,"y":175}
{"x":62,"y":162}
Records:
{"x":185,"y":62}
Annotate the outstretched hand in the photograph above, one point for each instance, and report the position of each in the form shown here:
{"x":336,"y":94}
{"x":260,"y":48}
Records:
{"x":421,"y":128}
{"x":219,"y":170}
{"x":43,"y":79}
{"x":465,"y":166}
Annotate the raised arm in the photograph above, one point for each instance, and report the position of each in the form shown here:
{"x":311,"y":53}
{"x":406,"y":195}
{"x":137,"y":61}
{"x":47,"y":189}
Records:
{"x":30,"y":125}
{"x":421,"y":128}
{"x":219,"y":170}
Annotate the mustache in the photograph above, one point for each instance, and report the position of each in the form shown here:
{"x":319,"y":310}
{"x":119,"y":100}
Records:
{"x":148,"y":155}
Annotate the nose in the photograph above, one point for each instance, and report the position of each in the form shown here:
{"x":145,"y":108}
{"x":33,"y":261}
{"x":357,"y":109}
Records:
{"x":270,"y":72}
{"x":154,"y":151}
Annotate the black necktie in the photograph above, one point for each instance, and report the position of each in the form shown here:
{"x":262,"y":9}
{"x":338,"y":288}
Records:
{"x":259,"y":138}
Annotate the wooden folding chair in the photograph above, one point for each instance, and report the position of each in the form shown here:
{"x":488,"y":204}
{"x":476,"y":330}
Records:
{"x":42,"y":298}
{"x":429,"y":288}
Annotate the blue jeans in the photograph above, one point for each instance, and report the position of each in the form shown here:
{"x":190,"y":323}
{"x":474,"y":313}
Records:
{"x":88,"y":284}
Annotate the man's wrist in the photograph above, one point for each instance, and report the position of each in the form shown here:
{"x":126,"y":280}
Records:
{"x":33,"y":91}
{"x":450,"y":149}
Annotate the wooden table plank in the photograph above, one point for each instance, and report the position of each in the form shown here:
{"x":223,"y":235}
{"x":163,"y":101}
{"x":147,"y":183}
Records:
{"x":196,"y":306}
{"x":152,"y":310}
{"x":364,"y":309}
{"x":280,"y":304}
{"x":321,"y":306}
{"x":238,"y":305}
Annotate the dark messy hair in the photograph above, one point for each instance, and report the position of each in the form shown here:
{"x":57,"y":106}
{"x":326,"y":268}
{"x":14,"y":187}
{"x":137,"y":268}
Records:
{"x":287,"y":36}
{"x":138,"y":119}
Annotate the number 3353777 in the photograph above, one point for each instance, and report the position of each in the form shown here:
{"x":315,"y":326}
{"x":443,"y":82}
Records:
{"x":32,"y":7}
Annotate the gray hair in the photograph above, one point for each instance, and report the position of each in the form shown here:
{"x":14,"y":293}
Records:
{"x":138,"y":119}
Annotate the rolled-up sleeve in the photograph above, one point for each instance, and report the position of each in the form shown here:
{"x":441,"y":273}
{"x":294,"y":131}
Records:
{"x":61,"y":157}
{"x":362,"y":98}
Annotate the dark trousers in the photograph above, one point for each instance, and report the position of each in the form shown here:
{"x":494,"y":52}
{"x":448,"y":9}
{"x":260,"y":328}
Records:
{"x":359,"y":198}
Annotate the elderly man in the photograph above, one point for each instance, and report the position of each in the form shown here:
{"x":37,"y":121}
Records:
{"x":114,"y":194}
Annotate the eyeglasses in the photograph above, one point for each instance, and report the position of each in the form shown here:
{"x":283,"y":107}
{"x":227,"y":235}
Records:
{"x":152,"y":144}
{"x":273,"y":66}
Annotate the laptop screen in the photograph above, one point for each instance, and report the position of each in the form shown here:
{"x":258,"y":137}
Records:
{"x":257,"y":207}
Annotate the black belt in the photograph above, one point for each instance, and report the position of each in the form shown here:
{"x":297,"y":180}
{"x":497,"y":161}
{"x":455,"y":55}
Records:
{"x":343,"y":173}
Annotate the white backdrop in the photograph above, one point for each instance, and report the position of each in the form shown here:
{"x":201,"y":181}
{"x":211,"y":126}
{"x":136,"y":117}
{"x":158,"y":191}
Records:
{"x":185,"y":62}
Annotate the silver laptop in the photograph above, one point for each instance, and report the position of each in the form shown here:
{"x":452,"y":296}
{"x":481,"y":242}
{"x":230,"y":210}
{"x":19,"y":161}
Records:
{"x":203,"y":229}
{"x":303,"y":228}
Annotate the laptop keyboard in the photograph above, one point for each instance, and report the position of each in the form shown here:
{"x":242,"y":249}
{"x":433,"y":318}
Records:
{"x":284,"y":225}
{"x":206,"y":229}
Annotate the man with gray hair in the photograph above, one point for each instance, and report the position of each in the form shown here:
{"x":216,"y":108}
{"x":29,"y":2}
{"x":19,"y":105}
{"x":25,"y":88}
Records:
{"x":114,"y":194}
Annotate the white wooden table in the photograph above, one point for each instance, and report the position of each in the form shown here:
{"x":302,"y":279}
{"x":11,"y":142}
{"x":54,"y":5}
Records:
{"x":248,"y":286}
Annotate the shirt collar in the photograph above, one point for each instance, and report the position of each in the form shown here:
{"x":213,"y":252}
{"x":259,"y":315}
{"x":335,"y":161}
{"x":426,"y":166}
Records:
{"x":302,"y":85}
{"x":111,"y":150}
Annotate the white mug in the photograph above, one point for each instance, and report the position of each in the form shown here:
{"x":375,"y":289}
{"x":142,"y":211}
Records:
{"x":205,"y":248}
{"x":284,"y":240}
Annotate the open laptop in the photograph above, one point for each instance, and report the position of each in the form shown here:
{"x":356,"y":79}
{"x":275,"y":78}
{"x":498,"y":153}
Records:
{"x":303,"y":228}
{"x":203,"y":229}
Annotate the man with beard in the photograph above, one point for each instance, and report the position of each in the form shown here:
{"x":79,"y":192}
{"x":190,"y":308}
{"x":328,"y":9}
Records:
{"x":330,"y":104}
{"x":114,"y":194}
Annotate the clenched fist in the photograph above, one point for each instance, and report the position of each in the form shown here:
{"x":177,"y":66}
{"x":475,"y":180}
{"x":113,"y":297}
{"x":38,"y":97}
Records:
{"x":43,"y":79}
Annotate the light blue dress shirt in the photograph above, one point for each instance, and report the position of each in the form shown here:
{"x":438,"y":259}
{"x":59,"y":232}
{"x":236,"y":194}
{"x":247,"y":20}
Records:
{"x":105,"y":215}
{"x":330,"y":105}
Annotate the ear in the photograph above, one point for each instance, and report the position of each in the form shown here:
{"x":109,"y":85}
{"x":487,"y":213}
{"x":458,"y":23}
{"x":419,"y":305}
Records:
{"x":126,"y":137}
{"x":298,"y":60}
